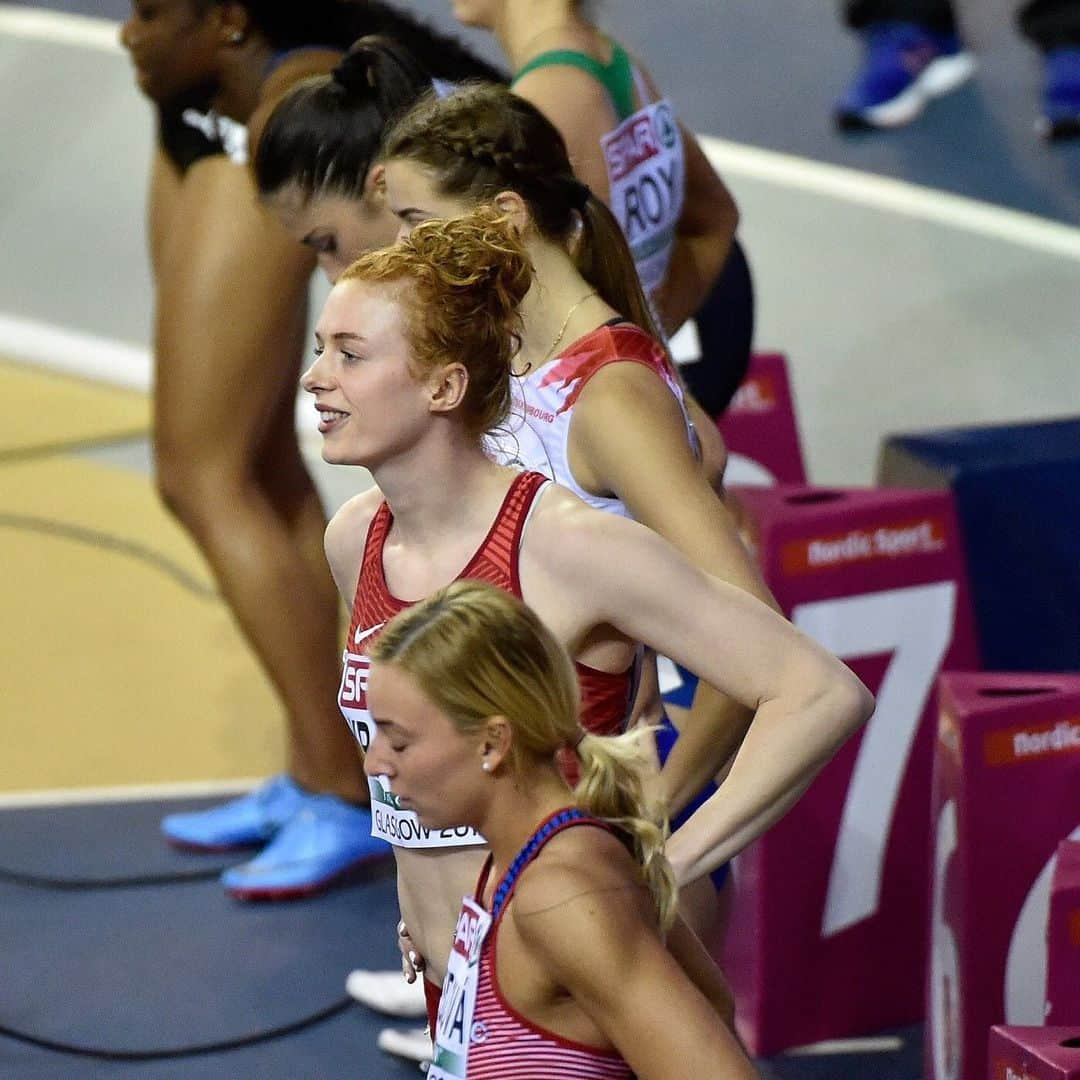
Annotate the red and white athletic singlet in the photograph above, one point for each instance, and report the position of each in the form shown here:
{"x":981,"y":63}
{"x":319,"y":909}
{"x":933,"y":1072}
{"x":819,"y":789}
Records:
{"x":605,"y":696}
{"x":478,"y":1035}
{"x":537,"y":434}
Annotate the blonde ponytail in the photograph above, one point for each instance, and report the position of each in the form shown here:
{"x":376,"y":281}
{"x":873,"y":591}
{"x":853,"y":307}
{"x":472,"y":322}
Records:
{"x":612,"y":787}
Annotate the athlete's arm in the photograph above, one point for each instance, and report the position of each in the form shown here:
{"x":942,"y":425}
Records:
{"x":703,"y":238}
{"x":628,"y":438}
{"x":703,"y":235}
{"x":161,"y":210}
{"x":600,"y":946}
{"x":701,"y":969}
{"x":617,"y":573}
{"x":346,"y":534}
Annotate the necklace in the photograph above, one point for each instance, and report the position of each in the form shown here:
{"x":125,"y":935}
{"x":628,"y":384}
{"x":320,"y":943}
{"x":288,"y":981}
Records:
{"x":565,"y":323}
{"x":522,"y":51}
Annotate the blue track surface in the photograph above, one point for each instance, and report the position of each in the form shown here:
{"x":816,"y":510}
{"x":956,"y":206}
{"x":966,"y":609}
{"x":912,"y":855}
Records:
{"x":175,"y":965}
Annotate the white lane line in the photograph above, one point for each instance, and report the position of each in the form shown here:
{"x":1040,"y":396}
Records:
{"x":877,"y":1044}
{"x":73,"y":352}
{"x":893,"y":196}
{"x":117,"y":363}
{"x":60,"y":28}
{"x":193,"y":789}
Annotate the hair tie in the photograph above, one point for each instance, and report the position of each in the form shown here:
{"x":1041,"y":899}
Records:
{"x":579,"y":195}
{"x":356,"y":72}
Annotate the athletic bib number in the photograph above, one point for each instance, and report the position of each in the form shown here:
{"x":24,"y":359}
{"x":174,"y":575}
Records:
{"x":389,"y":821}
{"x":644,"y":159}
{"x":457,"y":1007}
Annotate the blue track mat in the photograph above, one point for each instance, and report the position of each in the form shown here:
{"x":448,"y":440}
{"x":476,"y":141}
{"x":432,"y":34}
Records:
{"x":173,"y":965}
{"x":167,"y":966}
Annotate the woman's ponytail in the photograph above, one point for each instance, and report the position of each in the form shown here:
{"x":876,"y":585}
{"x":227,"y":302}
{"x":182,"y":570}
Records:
{"x":324,"y":133}
{"x":604,"y":260}
{"x":612,"y":787}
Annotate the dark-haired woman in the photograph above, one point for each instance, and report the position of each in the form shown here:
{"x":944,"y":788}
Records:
{"x":315,"y":163}
{"x":230,"y":315}
{"x":627,"y":144}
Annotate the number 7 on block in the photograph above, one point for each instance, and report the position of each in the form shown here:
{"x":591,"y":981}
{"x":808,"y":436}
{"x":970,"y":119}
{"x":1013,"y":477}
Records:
{"x":915,"y":624}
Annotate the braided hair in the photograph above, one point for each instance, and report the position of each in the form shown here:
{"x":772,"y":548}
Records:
{"x":482,"y":140}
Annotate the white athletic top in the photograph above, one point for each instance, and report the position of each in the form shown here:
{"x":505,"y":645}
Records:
{"x":537,"y":434}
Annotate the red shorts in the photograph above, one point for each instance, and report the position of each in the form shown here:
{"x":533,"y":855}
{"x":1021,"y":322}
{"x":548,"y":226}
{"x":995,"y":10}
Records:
{"x":432,"y":995}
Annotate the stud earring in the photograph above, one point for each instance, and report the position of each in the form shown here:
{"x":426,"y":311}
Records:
{"x":236,"y":37}
{"x":486,"y":766}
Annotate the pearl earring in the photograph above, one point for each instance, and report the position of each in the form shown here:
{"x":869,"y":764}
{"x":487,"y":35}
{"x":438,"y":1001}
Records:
{"x":236,"y":37}
{"x":486,"y":766}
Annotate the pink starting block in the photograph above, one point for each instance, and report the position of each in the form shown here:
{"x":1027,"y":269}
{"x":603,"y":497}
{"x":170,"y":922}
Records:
{"x":1063,"y":939}
{"x":1006,"y":791}
{"x":759,"y":427}
{"x":828,"y":935}
{"x":1034,"y":1053}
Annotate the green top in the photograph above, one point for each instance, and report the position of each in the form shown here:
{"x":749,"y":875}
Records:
{"x":617,"y":77}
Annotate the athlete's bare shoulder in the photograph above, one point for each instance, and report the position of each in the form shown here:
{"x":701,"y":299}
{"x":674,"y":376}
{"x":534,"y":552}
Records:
{"x":558,"y":507}
{"x":566,"y":533}
{"x":583,"y":872}
{"x":345,"y":536}
{"x":583,"y":859}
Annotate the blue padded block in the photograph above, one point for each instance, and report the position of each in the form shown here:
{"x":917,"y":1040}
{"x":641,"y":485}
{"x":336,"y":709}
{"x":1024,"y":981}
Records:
{"x":1017,"y":490}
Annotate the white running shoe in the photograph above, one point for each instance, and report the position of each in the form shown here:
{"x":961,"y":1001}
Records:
{"x":413,"y":1044}
{"x":387,"y":992}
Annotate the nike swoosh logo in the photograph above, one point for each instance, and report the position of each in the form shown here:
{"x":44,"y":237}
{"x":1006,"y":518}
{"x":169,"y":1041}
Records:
{"x":361,"y":634}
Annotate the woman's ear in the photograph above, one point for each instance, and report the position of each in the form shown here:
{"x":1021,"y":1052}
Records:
{"x":234,"y":23}
{"x":496,"y":743}
{"x":448,"y":387}
{"x":375,"y":181}
{"x":516,"y":210}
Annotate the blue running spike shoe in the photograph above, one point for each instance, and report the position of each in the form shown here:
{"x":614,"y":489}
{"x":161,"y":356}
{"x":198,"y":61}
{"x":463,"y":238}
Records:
{"x":1061,"y":97}
{"x":326,"y":840}
{"x":243,"y":822}
{"x":906,"y":65}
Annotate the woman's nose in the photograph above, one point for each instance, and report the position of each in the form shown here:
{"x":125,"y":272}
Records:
{"x":314,"y":378}
{"x":373,"y":763}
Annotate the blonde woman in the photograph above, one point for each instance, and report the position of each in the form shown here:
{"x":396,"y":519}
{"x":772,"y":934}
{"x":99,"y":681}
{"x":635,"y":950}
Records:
{"x":563,"y":945}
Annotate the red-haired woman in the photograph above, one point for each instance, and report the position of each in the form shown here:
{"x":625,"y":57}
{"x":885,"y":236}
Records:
{"x":412,"y":371}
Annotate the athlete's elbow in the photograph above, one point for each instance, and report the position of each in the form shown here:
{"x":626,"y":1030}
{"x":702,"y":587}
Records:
{"x":852,"y":702}
{"x":836,"y":705}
